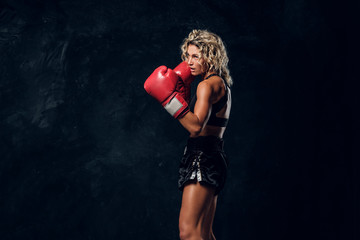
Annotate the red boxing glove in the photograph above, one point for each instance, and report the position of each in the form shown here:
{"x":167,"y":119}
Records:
{"x":184,"y":72}
{"x":161,"y":85}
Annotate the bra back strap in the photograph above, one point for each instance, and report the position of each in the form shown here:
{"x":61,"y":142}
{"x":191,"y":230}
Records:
{"x":218,"y":122}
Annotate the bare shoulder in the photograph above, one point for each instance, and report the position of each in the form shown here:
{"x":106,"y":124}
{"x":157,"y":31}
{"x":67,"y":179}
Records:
{"x":204,"y":88}
{"x":204,"y":85}
{"x":216,"y":83}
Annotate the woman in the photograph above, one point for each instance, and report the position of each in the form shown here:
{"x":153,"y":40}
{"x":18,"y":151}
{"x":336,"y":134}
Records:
{"x":203,"y":166}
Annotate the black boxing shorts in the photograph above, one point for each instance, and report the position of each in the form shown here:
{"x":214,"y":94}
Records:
{"x":204,"y":161}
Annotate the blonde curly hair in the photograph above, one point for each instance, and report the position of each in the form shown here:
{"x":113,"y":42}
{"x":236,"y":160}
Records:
{"x":212,"y":51}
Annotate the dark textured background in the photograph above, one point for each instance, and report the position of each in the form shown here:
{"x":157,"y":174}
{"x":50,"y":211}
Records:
{"x":87,"y":154}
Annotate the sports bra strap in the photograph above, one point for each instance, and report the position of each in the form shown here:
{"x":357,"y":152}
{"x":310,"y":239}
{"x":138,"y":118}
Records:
{"x":218,"y":122}
{"x":214,"y":74}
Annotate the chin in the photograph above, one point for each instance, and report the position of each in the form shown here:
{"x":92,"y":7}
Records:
{"x":196,"y":73}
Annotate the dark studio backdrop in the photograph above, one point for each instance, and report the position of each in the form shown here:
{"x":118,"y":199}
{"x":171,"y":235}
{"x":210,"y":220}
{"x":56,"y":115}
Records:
{"x":86,"y":153}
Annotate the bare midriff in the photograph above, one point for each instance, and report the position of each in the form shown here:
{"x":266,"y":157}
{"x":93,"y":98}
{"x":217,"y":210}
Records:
{"x":213,"y":131}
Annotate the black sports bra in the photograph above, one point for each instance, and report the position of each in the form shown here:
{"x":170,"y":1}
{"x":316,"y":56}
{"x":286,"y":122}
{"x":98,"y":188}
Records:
{"x":216,"y":107}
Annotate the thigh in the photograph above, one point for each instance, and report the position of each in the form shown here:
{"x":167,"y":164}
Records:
{"x":196,"y":201}
{"x":210,"y":214}
{"x":209,"y":219}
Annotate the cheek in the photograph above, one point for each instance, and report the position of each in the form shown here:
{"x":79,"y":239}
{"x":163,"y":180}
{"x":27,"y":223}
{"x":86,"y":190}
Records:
{"x":201,"y":65}
{"x":201,"y":62}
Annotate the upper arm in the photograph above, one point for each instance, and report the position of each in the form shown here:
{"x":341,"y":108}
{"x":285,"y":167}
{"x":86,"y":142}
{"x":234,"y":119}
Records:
{"x":203,"y":105}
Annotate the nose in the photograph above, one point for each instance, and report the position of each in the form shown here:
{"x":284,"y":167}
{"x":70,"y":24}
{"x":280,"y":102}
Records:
{"x":189,"y":61}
